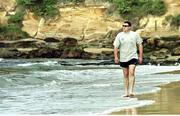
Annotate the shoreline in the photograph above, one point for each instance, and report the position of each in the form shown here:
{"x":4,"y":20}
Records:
{"x":167,"y":100}
{"x":171,"y":72}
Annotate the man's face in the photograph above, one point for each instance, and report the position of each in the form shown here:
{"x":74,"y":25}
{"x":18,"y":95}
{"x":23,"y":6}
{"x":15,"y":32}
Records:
{"x":126,"y":27}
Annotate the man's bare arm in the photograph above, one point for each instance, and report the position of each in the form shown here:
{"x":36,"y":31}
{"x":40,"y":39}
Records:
{"x":140,"y":47}
{"x":116,"y":59}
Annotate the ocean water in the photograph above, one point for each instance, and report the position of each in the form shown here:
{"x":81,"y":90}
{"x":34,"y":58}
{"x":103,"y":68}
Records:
{"x":72,"y":86}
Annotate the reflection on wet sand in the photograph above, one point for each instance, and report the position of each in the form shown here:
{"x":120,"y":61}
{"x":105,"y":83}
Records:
{"x":131,"y":111}
{"x":127,"y":111}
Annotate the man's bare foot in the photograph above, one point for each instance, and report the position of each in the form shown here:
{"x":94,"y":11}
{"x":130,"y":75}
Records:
{"x":126,"y":96}
{"x":132,"y":95}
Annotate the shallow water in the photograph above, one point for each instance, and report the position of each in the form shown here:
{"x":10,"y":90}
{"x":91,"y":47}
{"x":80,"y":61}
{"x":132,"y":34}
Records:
{"x":59,"y":86}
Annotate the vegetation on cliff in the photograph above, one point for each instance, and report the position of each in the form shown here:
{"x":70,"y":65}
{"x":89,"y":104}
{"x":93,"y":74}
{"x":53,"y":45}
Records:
{"x":43,"y":8}
{"x":17,"y":18}
{"x":12,"y":30}
{"x":174,"y":20}
{"x":128,"y":9}
{"x":139,"y":8}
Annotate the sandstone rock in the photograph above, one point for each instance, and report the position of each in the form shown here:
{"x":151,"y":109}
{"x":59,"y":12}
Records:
{"x":153,"y":57}
{"x":150,"y":23}
{"x":3,"y":18}
{"x":26,"y":50}
{"x":9,"y":53}
{"x":171,"y":44}
{"x":173,"y":37}
{"x":32,"y":25}
{"x":161,"y":54}
{"x":98,"y":53}
{"x":160,"y":43}
{"x":98,"y":50}
{"x":151,"y":41}
{"x":6,"y":7}
{"x":77,"y":22}
{"x":52,"y":45}
{"x":23,"y":43}
{"x":176,"y":51}
{"x":175,"y":59}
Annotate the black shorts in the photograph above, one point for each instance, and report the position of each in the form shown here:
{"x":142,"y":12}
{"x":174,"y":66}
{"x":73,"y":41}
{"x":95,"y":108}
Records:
{"x":126,"y":64}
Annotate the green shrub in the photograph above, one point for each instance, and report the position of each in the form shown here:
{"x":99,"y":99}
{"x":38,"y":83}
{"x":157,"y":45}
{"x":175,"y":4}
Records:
{"x":158,"y":8}
{"x":12,"y":32}
{"x":44,"y":8}
{"x":173,"y":20}
{"x":176,"y":21}
{"x":17,"y":18}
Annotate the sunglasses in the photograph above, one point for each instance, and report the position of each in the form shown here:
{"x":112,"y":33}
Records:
{"x":125,"y":25}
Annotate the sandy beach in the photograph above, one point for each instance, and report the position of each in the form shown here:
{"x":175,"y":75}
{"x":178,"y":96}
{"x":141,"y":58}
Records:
{"x":167,"y":101}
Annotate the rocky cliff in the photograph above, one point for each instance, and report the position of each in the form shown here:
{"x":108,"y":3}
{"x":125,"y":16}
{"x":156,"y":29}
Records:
{"x":86,"y":24}
{"x":91,"y":30}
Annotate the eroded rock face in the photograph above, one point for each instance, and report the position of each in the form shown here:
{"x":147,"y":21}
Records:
{"x":32,"y":24}
{"x":162,"y":50}
{"x":7,"y":7}
{"x":88,"y":23}
{"x":34,"y":48}
{"x":83,"y":23}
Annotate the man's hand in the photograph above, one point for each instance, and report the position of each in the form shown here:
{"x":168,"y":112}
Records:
{"x":116,"y":60}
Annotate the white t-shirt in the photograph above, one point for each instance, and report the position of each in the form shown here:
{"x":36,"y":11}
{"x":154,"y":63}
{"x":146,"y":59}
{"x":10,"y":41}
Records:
{"x":127,"y":44}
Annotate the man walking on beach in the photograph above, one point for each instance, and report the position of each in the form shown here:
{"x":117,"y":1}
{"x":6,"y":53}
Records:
{"x":127,"y":43}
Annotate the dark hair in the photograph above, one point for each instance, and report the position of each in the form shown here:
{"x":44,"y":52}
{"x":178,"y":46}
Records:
{"x":128,"y":22}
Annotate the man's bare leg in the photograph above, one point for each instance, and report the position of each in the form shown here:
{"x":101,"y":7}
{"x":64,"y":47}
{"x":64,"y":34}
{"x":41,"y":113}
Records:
{"x":131,"y":79}
{"x":126,"y":80}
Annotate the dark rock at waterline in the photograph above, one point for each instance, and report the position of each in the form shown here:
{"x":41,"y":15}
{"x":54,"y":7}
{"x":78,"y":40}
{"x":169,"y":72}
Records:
{"x":156,"y":50}
{"x":109,"y":62}
{"x":45,"y":53}
{"x":106,"y":62}
{"x":9,"y":53}
{"x":69,"y":41}
{"x":51,"y":39}
{"x":176,"y":51}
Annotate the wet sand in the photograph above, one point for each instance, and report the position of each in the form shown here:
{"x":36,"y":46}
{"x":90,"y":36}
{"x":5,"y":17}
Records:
{"x":167,"y":101}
